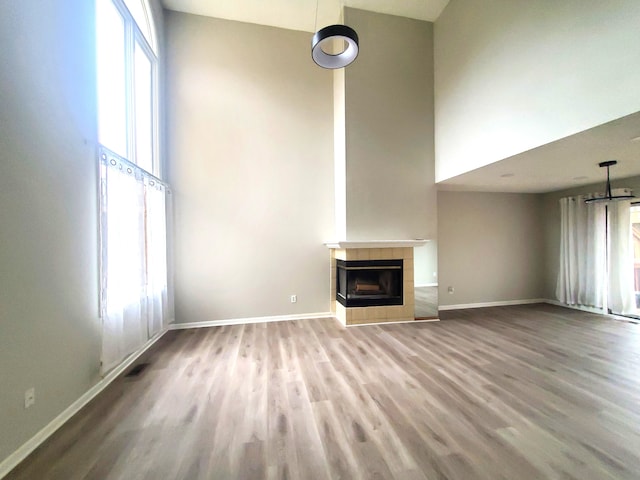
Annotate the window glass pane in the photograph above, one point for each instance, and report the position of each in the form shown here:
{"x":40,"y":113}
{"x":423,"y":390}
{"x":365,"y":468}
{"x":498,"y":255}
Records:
{"x":139,"y":12}
{"x":143,"y":109}
{"x":112,"y":119}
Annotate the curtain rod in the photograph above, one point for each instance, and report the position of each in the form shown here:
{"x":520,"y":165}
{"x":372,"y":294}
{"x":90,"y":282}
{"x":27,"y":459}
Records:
{"x":108,"y":153}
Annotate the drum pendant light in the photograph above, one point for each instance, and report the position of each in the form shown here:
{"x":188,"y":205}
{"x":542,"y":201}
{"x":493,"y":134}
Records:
{"x":328,"y":34}
{"x":346,"y":35}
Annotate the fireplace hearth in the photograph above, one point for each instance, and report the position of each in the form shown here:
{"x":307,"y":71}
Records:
{"x":369,"y":283}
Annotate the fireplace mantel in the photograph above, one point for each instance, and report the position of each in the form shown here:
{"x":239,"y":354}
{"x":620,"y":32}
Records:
{"x":342,"y":244}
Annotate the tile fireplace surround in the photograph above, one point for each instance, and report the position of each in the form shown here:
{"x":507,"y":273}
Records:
{"x":375,"y":250}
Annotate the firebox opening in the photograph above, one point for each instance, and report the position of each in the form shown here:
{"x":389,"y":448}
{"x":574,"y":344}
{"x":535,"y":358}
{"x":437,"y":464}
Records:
{"x":367,"y":283}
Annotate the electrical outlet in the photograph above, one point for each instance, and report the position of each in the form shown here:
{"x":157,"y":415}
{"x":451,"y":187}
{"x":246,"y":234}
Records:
{"x":450,"y":290}
{"x":294,"y":298}
{"x":29,"y":397}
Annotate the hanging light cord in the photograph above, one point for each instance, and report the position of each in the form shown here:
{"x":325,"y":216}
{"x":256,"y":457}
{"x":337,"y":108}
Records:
{"x":315,"y":24}
{"x":608,"y":184}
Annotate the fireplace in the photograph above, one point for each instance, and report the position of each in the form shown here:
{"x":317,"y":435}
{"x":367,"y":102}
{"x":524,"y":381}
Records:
{"x":372,"y":281}
{"x":369,"y":283}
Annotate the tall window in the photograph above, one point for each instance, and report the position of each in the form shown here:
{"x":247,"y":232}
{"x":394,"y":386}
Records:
{"x":133,"y":221}
{"x":127,"y":82}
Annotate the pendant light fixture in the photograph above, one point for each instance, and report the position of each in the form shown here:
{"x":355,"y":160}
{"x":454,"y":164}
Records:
{"x":608,"y":196}
{"x":343,"y":33}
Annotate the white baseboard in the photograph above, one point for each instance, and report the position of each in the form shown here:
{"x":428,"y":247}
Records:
{"x":502,"y":303}
{"x":34,"y":442}
{"x":521,"y":302}
{"x":422,"y":320}
{"x":582,"y":308}
{"x":242,"y":321}
{"x":426,"y":285}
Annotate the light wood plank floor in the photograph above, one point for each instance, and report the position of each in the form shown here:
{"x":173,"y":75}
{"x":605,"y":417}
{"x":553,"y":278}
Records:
{"x":526,"y":392}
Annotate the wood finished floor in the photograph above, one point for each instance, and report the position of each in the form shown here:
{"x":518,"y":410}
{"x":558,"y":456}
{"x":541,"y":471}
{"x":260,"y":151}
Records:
{"x":526,"y":392}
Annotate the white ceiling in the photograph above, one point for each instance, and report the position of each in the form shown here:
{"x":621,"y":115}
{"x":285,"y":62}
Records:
{"x":569,"y":162}
{"x":301,"y":14}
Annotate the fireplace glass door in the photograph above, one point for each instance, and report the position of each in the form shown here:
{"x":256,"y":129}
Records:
{"x":367,"y":283}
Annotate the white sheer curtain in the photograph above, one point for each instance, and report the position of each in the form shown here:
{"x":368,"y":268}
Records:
{"x":621,"y":258}
{"x":582,"y":273}
{"x":133,"y":253}
{"x":156,"y":290}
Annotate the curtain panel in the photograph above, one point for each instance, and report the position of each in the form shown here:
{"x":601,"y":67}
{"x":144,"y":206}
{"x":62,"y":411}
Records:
{"x":596,"y":255}
{"x":133,"y":249}
{"x":581,"y":276}
{"x":621,"y":259}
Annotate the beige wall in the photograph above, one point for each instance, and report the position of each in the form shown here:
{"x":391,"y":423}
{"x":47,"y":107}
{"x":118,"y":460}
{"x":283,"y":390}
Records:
{"x":511,"y":75}
{"x":251,"y":161}
{"x":49,"y":327}
{"x":552,"y":225}
{"x":490,"y":247}
{"x":390,"y":185}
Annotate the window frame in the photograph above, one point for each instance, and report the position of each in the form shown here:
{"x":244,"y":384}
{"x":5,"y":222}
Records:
{"x":134,"y":36}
